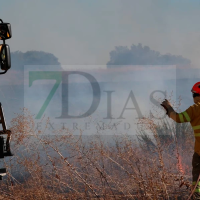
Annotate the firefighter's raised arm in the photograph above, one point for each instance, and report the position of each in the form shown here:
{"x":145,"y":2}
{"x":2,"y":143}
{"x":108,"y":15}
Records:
{"x":182,"y":117}
{"x":177,"y":117}
{"x":170,"y":111}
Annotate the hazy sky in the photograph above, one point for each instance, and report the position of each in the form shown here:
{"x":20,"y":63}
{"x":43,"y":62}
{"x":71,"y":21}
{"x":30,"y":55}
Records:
{"x":85,"y":31}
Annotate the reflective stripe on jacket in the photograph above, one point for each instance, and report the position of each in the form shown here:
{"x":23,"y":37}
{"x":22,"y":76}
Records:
{"x":192,"y":115}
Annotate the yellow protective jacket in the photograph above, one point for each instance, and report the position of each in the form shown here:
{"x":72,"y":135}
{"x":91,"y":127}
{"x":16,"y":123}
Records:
{"x":192,"y":115}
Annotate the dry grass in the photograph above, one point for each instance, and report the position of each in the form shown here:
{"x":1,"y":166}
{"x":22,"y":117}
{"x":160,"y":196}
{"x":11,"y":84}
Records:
{"x":66,"y":167}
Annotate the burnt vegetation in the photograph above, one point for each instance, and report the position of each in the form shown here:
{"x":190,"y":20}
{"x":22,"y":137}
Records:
{"x":63,"y":166}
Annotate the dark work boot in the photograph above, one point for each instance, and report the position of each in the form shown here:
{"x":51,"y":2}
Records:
{"x":196,"y":194}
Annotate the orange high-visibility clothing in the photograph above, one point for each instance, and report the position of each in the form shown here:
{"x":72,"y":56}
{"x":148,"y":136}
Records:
{"x":192,"y":115}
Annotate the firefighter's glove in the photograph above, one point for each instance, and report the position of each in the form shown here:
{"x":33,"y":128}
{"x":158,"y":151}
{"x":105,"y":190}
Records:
{"x":166,"y":104}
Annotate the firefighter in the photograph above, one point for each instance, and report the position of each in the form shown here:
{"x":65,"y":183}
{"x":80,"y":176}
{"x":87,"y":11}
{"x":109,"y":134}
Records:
{"x":192,"y":115}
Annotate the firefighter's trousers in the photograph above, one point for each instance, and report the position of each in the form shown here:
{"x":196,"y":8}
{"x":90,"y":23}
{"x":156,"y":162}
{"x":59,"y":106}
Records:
{"x":195,"y":174}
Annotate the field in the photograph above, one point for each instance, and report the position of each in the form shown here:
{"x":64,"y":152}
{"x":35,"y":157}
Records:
{"x":69,"y":167}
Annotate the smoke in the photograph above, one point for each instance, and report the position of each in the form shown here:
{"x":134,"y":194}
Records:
{"x":12,"y":83}
{"x":139,"y":55}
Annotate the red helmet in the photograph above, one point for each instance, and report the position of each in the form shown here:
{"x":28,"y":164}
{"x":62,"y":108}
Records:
{"x":196,"y":88}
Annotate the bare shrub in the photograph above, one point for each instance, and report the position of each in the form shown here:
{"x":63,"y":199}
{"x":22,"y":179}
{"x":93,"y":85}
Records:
{"x":64,"y":166}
